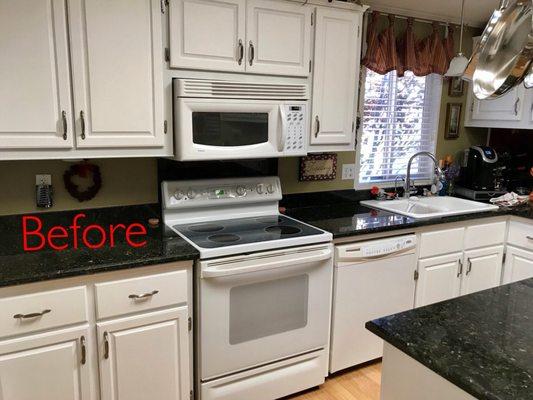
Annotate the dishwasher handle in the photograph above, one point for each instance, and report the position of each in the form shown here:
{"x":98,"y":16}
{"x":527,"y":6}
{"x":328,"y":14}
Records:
{"x":290,"y":261}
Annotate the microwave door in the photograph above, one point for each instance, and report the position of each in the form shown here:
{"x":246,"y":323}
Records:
{"x":214,"y":129}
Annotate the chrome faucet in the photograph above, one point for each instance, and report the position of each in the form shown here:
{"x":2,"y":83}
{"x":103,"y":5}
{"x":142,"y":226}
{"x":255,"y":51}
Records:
{"x":407,"y":186}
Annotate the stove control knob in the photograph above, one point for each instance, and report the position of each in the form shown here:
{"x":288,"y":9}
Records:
{"x":178,"y":194}
{"x":270,"y":189}
{"x":260,"y":188}
{"x":191,"y":193}
{"x":241,"y":191}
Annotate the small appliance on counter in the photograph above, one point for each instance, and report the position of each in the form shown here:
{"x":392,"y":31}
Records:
{"x":480,"y":177}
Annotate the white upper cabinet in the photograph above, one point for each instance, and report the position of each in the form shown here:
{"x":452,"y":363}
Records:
{"x":35,"y":103}
{"x":207,"y":34}
{"x":268,"y":37}
{"x":335,"y":79}
{"x":506,"y":108}
{"x":117,"y":63}
{"x":278,"y":38}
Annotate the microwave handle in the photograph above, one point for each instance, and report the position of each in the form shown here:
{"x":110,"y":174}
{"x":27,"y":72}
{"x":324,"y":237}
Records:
{"x":296,"y":259}
{"x":283,"y":115}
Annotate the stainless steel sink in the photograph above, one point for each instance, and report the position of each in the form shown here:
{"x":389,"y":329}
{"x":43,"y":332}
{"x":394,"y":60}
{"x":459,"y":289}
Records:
{"x":430,"y":207}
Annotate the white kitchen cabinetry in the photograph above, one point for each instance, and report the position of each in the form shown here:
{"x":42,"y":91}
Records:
{"x":207,"y":34}
{"x":35,"y":109}
{"x":117,"y":65}
{"x":145,"y":356}
{"x":482,"y":269}
{"x":518,"y":265}
{"x":278,"y":38}
{"x":252,"y":36}
{"x":439,"y":279}
{"x":335,"y":79}
{"x":53,"y":365}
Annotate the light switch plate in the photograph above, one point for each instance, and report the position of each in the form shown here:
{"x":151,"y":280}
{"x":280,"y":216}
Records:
{"x":43,"y":179}
{"x":348,"y":171}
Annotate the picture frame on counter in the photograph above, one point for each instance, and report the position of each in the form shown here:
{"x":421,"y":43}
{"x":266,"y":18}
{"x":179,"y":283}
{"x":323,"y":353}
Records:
{"x":453,"y":121}
{"x":318,"y":167}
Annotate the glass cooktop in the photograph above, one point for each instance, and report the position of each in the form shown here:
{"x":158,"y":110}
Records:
{"x":223,"y":233}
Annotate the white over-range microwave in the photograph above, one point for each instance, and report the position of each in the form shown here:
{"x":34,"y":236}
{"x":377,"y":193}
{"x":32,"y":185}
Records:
{"x":220,"y":120}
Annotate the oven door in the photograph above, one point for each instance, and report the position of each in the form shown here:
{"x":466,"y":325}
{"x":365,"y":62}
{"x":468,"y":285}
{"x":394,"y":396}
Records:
{"x":215,"y":129}
{"x":263,"y":307}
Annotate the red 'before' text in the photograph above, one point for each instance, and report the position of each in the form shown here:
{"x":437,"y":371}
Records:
{"x":60,"y":237}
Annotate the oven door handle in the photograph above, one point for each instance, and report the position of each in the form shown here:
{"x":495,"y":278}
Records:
{"x":295,"y":259}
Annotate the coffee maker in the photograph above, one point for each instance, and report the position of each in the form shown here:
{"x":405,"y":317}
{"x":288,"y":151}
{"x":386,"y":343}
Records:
{"x":479,"y":174}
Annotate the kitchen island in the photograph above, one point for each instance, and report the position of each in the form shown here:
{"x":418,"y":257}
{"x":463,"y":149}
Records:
{"x":478,"y":346}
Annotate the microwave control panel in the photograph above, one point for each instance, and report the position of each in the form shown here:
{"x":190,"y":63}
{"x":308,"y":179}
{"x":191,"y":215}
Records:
{"x":295,"y":129}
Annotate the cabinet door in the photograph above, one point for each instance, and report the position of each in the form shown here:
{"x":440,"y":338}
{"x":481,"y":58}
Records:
{"x":335,"y":80}
{"x":145,"y":356}
{"x":207,"y":34}
{"x":506,"y":108}
{"x":117,"y":64}
{"x":35,"y":103}
{"x":278,"y":38}
{"x":46,"y":366}
{"x":483,"y":269}
{"x":518,"y":265}
{"x":439,"y":279}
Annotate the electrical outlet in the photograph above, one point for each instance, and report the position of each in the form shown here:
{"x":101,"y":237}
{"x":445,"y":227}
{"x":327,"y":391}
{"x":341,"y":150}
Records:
{"x":348,"y":171}
{"x":43,"y":180}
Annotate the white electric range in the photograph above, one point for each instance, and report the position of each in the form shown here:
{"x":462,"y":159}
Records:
{"x":263,"y":288}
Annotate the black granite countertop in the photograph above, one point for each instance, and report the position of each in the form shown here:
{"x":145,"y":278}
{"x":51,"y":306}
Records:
{"x":19,"y":267}
{"x":482,"y":343}
{"x":343,"y":216}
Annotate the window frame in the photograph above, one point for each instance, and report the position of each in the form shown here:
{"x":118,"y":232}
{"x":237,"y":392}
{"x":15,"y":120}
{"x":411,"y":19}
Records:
{"x":359,"y":133}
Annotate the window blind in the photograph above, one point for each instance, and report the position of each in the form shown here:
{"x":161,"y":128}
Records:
{"x":400,"y":118}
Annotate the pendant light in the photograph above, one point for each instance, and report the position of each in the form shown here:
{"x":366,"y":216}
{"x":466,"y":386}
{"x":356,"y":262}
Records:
{"x":459,"y":62}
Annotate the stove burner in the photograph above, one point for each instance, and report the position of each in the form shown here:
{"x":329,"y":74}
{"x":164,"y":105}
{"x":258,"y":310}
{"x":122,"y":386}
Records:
{"x":269,"y":220}
{"x":283,"y":230}
{"x":206,"y":228}
{"x":224,"y":238}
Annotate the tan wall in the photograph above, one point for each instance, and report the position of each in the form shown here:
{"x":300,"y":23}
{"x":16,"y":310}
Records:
{"x":124,"y":182}
{"x":288,"y":168}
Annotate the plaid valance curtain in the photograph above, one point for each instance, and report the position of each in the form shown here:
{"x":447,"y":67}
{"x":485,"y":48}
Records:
{"x":386,"y":53}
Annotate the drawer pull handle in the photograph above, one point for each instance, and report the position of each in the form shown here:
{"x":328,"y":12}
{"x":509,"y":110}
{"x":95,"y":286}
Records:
{"x":144,"y":295}
{"x":31,"y":315}
{"x":460,"y":270}
{"x":83,"y":351}
{"x":529,"y":237}
{"x":106,"y":345}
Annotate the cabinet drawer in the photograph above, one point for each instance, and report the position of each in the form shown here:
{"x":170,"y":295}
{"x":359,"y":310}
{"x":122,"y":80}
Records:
{"x":485,"y":235}
{"x":140,"y":294}
{"x":521,"y":234}
{"x":441,"y":242}
{"x":43,"y":310}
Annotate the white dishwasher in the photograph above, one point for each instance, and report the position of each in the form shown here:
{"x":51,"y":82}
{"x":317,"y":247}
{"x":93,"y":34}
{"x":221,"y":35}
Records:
{"x":371,"y":280}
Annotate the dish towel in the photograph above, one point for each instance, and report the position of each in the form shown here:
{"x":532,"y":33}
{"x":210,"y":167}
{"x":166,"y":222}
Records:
{"x":510,"y":200}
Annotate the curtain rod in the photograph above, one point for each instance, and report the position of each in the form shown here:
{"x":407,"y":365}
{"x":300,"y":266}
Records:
{"x":426,"y":21}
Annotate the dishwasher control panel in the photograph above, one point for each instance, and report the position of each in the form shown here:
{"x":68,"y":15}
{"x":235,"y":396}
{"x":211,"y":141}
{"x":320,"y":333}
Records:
{"x":375,"y":249}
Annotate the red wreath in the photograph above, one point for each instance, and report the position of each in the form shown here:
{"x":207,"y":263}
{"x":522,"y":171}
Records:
{"x":83,"y":170}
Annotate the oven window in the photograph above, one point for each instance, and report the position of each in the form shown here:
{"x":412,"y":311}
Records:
{"x":268,"y":308}
{"x":229,"y":129}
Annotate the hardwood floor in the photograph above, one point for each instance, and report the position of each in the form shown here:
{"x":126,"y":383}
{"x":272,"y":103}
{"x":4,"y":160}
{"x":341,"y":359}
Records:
{"x":361,"y":383}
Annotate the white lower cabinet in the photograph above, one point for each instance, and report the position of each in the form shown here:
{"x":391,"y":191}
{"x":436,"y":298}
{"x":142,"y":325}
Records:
{"x":439,"y":279}
{"x":145,"y":356}
{"x":482,"y":269}
{"x":53,"y":365}
{"x":518,"y":265}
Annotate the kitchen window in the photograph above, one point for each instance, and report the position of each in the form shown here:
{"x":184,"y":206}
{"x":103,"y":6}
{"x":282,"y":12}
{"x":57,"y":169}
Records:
{"x":400,"y":118}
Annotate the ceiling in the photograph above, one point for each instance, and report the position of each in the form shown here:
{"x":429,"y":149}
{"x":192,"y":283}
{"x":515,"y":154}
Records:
{"x":477,"y":12}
